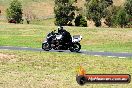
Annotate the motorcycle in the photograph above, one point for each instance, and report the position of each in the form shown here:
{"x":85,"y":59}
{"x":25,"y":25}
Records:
{"x":54,"y":41}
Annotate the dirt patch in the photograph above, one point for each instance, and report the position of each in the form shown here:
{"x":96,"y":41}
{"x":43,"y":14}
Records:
{"x":119,"y":2}
{"x":39,"y":10}
{"x":2,"y":10}
{"x":6,"y":56}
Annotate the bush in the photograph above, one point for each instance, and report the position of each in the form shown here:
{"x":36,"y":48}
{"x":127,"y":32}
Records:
{"x":96,"y":10}
{"x":98,"y":23}
{"x":80,"y":21}
{"x":111,"y":12}
{"x":77,"y":20}
{"x":122,"y":18}
{"x":83,"y":22}
{"x":14,"y":12}
{"x":63,"y":12}
{"x":129,"y":24}
{"x":128,"y":7}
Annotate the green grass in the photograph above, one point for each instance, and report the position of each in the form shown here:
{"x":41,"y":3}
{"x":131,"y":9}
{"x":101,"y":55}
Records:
{"x":24,"y":69}
{"x":94,"y":39}
{"x":6,"y":2}
{"x":49,"y":22}
{"x":115,"y":47}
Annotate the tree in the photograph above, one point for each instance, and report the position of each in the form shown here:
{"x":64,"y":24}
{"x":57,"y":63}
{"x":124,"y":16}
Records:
{"x":80,"y":21}
{"x":96,"y":10}
{"x":64,"y":12}
{"x":109,"y":2}
{"x":92,"y":11}
{"x":122,"y":18}
{"x":83,"y":22}
{"x":14,"y":12}
{"x":111,"y":14}
{"x":128,"y":9}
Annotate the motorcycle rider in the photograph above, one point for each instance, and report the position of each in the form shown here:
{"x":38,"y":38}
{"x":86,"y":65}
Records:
{"x":66,"y":37}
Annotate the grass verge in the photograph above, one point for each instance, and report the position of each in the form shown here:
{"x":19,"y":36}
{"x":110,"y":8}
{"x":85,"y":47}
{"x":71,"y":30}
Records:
{"x":23,"y":69}
{"x":94,"y":39}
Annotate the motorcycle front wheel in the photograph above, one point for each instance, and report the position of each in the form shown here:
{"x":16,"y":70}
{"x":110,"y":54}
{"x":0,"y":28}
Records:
{"x":46,"y":46}
{"x":75,"y":47}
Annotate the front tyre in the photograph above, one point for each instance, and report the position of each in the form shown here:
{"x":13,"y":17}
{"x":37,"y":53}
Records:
{"x":46,"y":46}
{"x":75,"y":47}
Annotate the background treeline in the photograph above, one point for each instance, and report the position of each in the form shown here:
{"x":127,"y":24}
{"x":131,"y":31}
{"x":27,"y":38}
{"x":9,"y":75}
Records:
{"x":67,"y":13}
{"x":96,"y":10}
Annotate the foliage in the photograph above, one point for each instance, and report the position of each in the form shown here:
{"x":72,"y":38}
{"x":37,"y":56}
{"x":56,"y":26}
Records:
{"x":64,"y":12}
{"x":122,"y":18}
{"x":14,"y":12}
{"x":93,"y":11}
{"x":80,"y":21}
{"x":96,"y":10}
{"x":128,"y":7}
{"x":117,"y":15}
{"x":111,"y":13}
{"x":95,"y":39}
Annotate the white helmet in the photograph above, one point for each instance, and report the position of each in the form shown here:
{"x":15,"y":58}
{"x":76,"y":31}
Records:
{"x":60,"y":28}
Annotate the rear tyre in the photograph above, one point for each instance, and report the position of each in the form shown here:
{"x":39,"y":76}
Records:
{"x":75,"y":47}
{"x":46,"y":46}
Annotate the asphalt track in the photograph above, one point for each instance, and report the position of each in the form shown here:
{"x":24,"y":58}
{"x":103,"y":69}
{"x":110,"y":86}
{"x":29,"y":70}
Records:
{"x":94,"y":53}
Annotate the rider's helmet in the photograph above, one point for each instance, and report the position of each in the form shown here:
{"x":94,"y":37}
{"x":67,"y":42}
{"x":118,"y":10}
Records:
{"x":60,"y":28}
